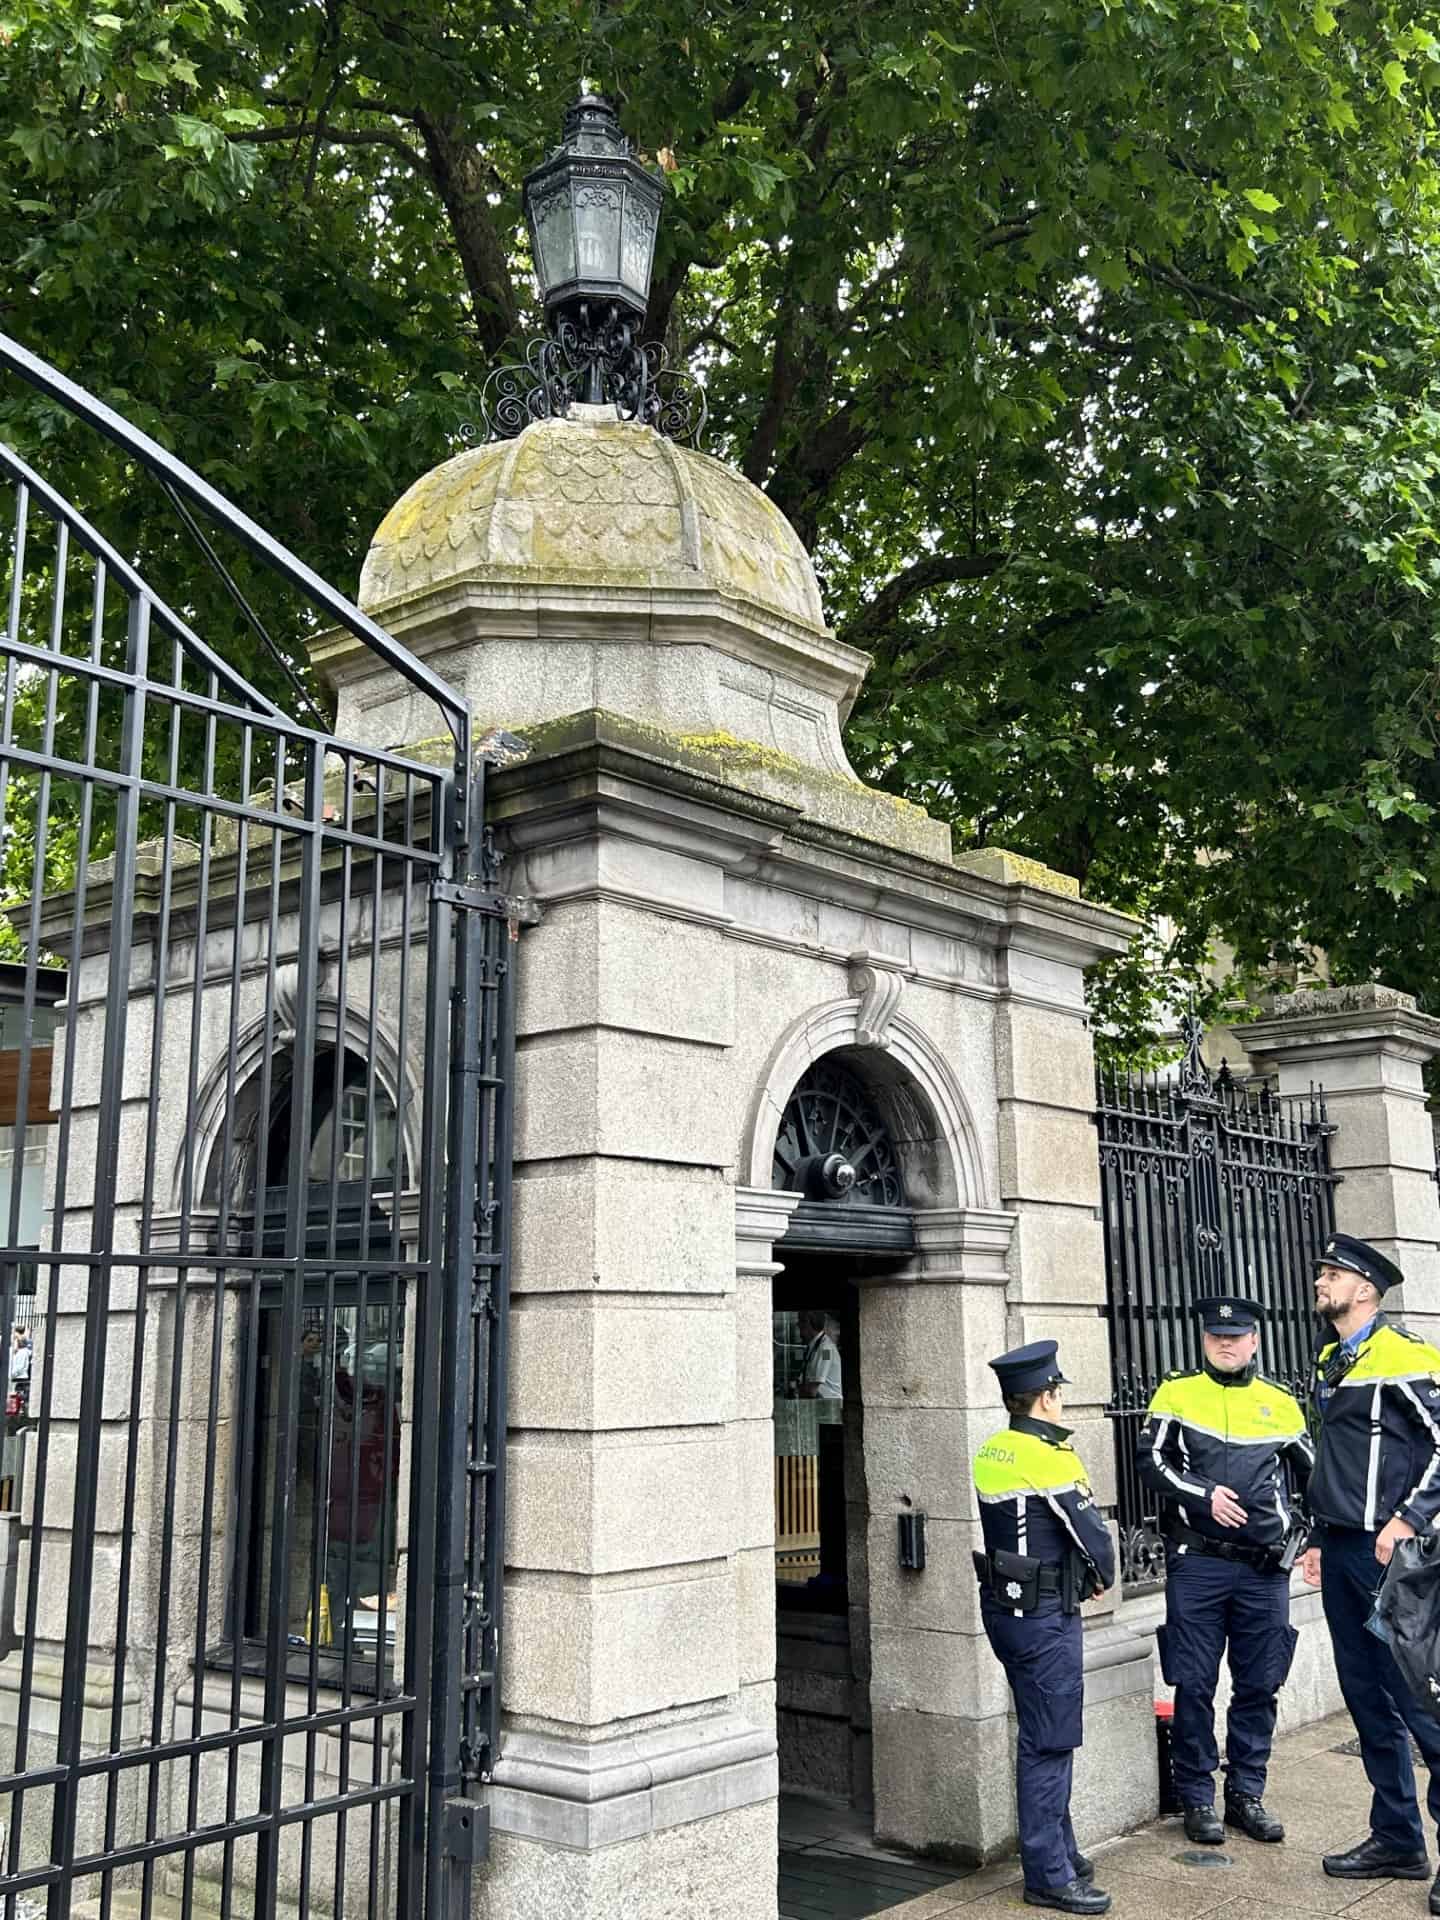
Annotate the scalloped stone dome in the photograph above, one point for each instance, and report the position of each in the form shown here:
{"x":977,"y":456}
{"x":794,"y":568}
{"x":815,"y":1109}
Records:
{"x":596,"y":500}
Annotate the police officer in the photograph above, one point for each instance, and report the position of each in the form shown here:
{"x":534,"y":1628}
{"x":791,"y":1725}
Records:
{"x":1216,"y":1446}
{"x":1046,"y":1550}
{"x":1376,"y":1482}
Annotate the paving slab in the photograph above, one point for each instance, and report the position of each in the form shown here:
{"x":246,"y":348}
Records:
{"x":1154,"y":1874}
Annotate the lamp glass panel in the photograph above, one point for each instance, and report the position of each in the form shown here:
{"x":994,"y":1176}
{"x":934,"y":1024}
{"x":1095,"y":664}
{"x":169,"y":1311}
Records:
{"x":637,"y":249}
{"x":597,"y":228}
{"x":554,"y":236}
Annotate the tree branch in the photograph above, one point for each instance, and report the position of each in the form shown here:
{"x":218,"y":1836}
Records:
{"x":711,"y":336}
{"x":335,"y":136}
{"x":1201,"y":289}
{"x":784,"y":379}
{"x":1004,"y":236}
{"x":461,"y":177}
{"x":935,"y":570}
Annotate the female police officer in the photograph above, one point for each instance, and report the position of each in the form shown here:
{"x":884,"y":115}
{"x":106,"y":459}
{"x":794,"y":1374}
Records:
{"x":1046,"y":1550}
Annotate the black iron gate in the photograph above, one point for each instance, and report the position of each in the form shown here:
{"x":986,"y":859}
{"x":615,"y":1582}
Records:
{"x":265,"y":1204}
{"x":1208,"y":1187}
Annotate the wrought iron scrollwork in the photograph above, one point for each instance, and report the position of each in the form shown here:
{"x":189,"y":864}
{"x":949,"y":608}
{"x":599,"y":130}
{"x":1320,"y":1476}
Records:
{"x":831,"y":1117}
{"x":1208,"y":1185}
{"x":1195,"y":1082}
{"x":594,"y":356}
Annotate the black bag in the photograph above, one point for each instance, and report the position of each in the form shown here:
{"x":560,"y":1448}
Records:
{"x":1011,"y":1578}
{"x":1408,"y":1607}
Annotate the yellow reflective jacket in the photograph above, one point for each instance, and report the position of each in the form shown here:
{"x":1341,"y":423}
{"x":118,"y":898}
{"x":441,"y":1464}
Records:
{"x":1205,"y":1430}
{"x":1036,"y":1500}
{"x":1379,"y":1449}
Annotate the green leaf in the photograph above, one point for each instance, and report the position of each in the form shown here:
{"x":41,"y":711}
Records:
{"x":1263,"y":202}
{"x":1394,"y":75}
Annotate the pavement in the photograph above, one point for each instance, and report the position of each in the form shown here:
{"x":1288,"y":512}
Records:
{"x":1154,"y":1874}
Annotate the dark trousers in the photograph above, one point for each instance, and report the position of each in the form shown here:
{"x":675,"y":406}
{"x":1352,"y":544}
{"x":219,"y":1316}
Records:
{"x":1042,"y":1658}
{"x":1209,"y":1604}
{"x":1380,"y":1703}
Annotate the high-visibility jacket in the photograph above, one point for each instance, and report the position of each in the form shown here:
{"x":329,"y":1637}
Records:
{"x":1036,"y":1500}
{"x":1210,"y":1429}
{"x":1379,"y":1448}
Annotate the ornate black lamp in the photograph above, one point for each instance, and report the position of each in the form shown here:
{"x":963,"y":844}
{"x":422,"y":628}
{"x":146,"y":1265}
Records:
{"x":593,"y":212}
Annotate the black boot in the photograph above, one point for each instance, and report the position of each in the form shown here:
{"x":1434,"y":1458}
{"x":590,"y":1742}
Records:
{"x":1084,"y":1869}
{"x":1202,"y":1825}
{"x":1374,"y":1860}
{"x":1074,"y":1897}
{"x":1244,"y":1810}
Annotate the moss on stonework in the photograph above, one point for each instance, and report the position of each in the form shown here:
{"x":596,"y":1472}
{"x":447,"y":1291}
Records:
{"x":830,"y":799}
{"x":1016,"y":869}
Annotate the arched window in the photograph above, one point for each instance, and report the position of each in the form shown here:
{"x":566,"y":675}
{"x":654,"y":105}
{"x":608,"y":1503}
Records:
{"x":834,"y":1144}
{"x":353,"y":1127}
{"x":336,"y":1575}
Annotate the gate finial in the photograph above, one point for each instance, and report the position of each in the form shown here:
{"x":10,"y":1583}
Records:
{"x":1194,"y":1074}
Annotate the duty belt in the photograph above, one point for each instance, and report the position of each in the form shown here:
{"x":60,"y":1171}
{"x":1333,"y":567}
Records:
{"x":1019,"y":1583}
{"x":1266,"y":1559}
{"x":1047,"y":1574}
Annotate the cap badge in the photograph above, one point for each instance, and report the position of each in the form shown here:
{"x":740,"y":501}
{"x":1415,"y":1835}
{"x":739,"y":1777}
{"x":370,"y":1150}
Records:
{"x":1226,"y":1313}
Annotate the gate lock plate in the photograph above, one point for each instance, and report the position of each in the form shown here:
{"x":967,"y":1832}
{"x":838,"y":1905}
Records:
{"x":467,"y":1831}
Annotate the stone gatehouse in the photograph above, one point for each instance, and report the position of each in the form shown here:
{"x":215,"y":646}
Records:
{"x":748,"y":972}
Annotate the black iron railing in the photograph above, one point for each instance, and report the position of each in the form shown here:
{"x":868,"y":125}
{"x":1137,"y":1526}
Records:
{"x":258,"y":1599}
{"x":1208,"y":1187}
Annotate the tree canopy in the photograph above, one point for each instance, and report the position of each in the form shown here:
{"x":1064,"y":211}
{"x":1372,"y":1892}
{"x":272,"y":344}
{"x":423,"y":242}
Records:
{"x":1091,"y":348}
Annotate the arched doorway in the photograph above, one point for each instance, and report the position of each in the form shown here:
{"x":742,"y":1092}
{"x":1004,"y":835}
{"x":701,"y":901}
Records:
{"x":834,"y":1147}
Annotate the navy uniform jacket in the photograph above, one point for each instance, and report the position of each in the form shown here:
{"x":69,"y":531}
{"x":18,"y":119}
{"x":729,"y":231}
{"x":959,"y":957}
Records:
{"x":1036,"y":1500}
{"x":1206,"y":1430}
{"x":1379,"y":1451}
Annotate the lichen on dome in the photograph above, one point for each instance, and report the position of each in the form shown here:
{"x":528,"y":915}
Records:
{"x":598,"y":500}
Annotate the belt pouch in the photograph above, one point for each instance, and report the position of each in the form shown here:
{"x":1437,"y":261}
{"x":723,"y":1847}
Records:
{"x":1015,"y":1580}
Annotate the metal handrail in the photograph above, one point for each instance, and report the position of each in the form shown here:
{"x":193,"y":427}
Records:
{"x":174,"y":476}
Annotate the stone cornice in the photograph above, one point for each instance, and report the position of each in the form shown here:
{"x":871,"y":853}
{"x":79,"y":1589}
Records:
{"x":598,"y":773}
{"x":1367,"y":1019}
{"x":480,"y":610}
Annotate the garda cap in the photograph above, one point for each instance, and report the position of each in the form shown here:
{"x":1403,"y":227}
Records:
{"x":1228,"y":1313}
{"x":1029,"y":1369}
{"x":1358,"y":1256}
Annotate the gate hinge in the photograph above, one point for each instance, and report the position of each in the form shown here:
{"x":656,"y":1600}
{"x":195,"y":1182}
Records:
{"x":505,"y":906}
{"x":472,"y":899}
{"x":466,"y":1831}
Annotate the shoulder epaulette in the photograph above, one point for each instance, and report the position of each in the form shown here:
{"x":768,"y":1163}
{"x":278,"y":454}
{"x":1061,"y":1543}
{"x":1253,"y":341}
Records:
{"x":1181,"y":1373}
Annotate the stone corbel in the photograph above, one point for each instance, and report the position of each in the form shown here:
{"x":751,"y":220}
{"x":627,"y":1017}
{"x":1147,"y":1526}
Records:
{"x":287,"y":994}
{"x":875,"y":980}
